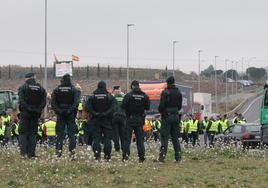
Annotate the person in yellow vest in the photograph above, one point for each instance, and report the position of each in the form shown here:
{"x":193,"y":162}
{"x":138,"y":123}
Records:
{"x":80,"y":108}
{"x":81,"y":131}
{"x":205,"y":124}
{"x":2,"y":133}
{"x":188,"y":122}
{"x":194,"y":130}
{"x":156,"y":125}
{"x":241,"y":119}
{"x":183,"y":129}
{"x":15,"y":131}
{"x":50,"y":130}
{"x":6,"y":120}
{"x":235,"y":119}
{"x":213,"y":129}
{"x":41,"y":132}
{"x":224,"y":123}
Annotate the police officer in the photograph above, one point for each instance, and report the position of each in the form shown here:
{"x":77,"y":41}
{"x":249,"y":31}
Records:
{"x":64,"y":101}
{"x":170,"y":105}
{"x":32,"y":100}
{"x":119,"y":120}
{"x":101,"y":108}
{"x":135,"y":103}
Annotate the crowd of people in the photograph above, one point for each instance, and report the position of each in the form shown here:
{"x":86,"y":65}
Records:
{"x":102,"y":118}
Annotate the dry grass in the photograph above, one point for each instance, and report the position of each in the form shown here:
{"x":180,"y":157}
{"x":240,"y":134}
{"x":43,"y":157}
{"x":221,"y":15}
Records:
{"x":218,"y":167}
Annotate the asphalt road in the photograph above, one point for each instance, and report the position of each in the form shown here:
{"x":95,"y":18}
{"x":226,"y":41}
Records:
{"x":251,"y":110}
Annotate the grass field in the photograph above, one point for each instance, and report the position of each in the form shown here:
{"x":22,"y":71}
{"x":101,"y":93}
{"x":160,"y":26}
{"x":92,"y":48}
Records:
{"x":200,"y":167}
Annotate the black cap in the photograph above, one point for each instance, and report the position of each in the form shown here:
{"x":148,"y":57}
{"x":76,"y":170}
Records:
{"x":102,"y":84}
{"x":134,"y":83}
{"x":116,"y":87}
{"x":66,"y":78}
{"x":29,"y":75}
{"x":170,"y":80}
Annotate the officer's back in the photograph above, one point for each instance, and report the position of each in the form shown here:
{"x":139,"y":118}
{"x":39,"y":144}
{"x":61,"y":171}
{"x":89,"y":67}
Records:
{"x":135,"y":102}
{"x":65,"y":98}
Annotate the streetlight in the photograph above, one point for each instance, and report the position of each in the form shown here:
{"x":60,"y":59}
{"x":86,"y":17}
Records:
{"x":216,"y":99}
{"x":232,"y":78}
{"x":128,"y":25}
{"x":226,"y":86}
{"x":174,"y":42}
{"x":45,"y":72}
{"x":236,"y":77}
{"x":199,"y":77}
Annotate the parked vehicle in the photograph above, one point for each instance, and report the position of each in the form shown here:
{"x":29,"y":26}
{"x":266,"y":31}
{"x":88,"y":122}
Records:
{"x":248,"y":134}
{"x":8,"y":100}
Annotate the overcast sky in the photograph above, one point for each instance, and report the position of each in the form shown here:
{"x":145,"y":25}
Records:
{"x":95,"y":30}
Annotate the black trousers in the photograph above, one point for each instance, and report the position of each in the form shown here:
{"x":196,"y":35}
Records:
{"x":28,"y":133}
{"x":102,"y":130}
{"x":170,"y":127}
{"x":134,"y":123}
{"x":119,"y":124}
{"x":62,"y":123}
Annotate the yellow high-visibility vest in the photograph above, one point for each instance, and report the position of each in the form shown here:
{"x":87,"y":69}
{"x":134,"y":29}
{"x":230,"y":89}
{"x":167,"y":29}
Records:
{"x":205,"y":123}
{"x":6,"y":120}
{"x":224,"y":124}
{"x":214,"y":126}
{"x":80,"y":128}
{"x":80,"y":106}
{"x":50,"y":128}
{"x":193,"y":126}
{"x":2,"y":130}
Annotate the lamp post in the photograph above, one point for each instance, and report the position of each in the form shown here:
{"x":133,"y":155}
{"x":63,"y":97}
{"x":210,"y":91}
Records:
{"x":216,"y":97}
{"x":174,"y":42}
{"x":45,"y":72}
{"x":232,"y":78}
{"x":236,"y":78}
{"x":199,"y":76}
{"x":226,"y":86}
{"x":128,"y":25}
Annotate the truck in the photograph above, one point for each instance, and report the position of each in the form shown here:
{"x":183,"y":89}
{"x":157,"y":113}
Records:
{"x":264,"y":115}
{"x":202,"y":104}
{"x":8,"y":100}
{"x":154,"y":90}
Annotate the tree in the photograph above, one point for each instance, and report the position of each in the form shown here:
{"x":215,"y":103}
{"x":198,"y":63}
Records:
{"x":256,"y":73}
{"x":231,"y":74}
{"x":109,"y":71}
{"x":208,"y":71}
{"x":98,"y":71}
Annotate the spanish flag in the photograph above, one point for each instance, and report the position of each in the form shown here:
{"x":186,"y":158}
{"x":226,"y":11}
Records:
{"x":75,"y":58}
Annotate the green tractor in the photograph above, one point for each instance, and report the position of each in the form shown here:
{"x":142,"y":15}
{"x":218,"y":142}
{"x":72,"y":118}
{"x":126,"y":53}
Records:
{"x":8,"y":100}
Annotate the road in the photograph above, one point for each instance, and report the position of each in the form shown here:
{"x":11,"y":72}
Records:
{"x":251,"y":110}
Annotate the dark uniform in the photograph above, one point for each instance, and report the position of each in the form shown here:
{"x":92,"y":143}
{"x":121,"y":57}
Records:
{"x":170,"y":104}
{"x":64,"y":101}
{"x":119,"y":124}
{"x":134,"y":104}
{"x":32,"y":100}
{"x":101,"y":107}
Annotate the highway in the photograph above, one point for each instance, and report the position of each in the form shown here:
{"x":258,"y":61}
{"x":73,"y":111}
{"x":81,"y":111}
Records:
{"x":251,"y":110}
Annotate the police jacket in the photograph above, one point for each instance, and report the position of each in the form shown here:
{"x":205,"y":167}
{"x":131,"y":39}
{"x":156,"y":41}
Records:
{"x":170,"y":101}
{"x":101,"y":104}
{"x":135,"y":103}
{"x":32,"y":97}
{"x":65,"y":99}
